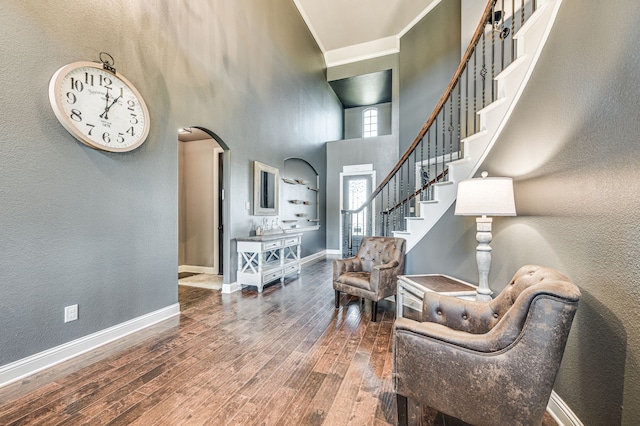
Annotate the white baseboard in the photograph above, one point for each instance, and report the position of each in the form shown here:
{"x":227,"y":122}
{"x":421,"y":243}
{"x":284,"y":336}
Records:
{"x":230,"y":288}
{"x":197,"y":269}
{"x":27,"y":366}
{"x":335,"y":252}
{"x":561,"y":412}
{"x":314,"y":256}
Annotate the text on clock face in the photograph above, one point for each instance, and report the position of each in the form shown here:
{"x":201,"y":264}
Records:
{"x":102,"y":107}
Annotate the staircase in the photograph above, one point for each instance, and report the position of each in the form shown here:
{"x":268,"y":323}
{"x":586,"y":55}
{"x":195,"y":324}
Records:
{"x":464,"y":125}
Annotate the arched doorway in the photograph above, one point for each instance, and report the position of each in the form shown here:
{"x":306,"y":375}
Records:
{"x":200,"y":208}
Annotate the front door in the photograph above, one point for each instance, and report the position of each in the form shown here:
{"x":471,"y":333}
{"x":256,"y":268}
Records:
{"x":355,"y":190}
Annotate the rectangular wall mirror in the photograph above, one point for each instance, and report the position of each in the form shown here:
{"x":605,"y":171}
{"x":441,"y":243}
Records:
{"x":265,"y":189}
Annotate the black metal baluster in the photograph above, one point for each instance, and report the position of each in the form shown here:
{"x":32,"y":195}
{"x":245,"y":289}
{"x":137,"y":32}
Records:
{"x":444,"y":137}
{"x":459,"y":138}
{"x":466,"y":99}
{"x":502,"y":38}
{"x":428,"y":164}
{"x":421,"y":168}
{"x":513,"y":29}
{"x":493,"y":52}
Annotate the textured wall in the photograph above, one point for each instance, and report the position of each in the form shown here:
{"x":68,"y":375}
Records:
{"x":97,"y":229}
{"x":572,"y":147}
{"x":381,"y":151}
{"x":429,"y":55}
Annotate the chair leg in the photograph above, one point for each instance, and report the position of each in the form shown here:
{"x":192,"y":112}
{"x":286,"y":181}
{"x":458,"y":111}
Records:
{"x":337,"y":299}
{"x":374,"y":310}
{"x":402,"y":410}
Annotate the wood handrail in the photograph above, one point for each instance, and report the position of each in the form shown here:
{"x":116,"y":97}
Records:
{"x":447,"y":94}
{"x":416,"y":193}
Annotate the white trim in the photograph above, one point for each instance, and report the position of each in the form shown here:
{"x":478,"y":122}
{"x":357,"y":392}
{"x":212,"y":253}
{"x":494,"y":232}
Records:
{"x":418,"y":18}
{"x":27,"y":366}
{"x":362,"y":51}
{"x":197,"y":269}
{"x":230,"y":288}
{"x":313,"y":257}
{"x":308,"y":21}
{"x":334,"y":252}
{"x":372,"y":174}
{"x":561,"y":412}
{"x":354,"y":168}
{"x":216,"y":208}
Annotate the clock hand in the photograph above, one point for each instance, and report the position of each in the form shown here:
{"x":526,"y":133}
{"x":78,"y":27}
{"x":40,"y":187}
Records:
{"x":106,"y":107}
{"x":106,"y":110}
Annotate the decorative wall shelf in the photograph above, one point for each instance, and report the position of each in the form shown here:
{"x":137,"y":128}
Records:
{"x":302,"y":196}
{"x":302,"y":229}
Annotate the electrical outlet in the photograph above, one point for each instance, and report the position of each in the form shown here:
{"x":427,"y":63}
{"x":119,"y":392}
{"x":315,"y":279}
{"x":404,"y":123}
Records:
{"x":71,"y":313}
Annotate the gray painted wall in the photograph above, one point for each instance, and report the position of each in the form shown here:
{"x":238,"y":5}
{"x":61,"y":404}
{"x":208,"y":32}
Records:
{"x":381,"y":151}
{"x":98,"y":229}
{"x":572,"y":148}
{"x":429,"y":55}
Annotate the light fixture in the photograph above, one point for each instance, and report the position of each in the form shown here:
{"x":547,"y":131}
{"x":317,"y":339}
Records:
{"x":485,"y":196}
{"x":494,"y":21}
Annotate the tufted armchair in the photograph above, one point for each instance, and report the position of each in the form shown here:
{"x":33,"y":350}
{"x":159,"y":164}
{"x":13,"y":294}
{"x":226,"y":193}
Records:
{"x":372,"y":273}
{"x":487,"y":362}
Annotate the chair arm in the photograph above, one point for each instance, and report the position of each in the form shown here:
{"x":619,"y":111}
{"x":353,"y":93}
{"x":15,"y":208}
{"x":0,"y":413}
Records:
{"x":458,"y":314}
{"x":384,"y":278}
{"x":340,"y":266}
{"x":474,"y":342}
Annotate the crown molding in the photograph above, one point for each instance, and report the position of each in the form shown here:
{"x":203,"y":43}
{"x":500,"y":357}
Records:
{"x":362,"y":51}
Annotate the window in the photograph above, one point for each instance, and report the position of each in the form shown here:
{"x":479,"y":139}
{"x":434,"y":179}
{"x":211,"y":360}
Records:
{"x":370,"y":122}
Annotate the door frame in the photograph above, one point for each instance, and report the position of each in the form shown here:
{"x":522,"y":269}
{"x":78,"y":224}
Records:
{"x":356,"y":170}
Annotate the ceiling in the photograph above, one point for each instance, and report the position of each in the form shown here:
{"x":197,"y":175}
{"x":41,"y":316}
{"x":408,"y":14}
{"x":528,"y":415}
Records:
{"x":363,"y":90}
{"x":189,"y":134}
{"x":338,"y":25}
{"x":354,"y":30}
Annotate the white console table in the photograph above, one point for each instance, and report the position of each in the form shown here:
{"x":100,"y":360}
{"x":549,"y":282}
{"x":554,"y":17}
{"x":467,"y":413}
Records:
{"x":411,"y":290}
{"x":266,"y":258}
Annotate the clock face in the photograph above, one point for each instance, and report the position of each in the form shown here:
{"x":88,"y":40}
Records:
{"x":101,"y":109}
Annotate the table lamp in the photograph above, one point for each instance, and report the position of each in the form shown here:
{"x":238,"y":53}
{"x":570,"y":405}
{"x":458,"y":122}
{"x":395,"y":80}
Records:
{"x":485,"y":196}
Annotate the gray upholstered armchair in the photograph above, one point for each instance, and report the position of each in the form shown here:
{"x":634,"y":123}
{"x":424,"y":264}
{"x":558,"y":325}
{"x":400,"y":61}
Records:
{"x":372,"y":273}
{"x":487,"y":362}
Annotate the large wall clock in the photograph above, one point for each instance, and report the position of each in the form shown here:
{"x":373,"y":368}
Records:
{"x":99,"y":107}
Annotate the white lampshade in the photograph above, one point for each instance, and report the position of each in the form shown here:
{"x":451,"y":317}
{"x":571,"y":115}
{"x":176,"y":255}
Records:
{"x":490,"y":196}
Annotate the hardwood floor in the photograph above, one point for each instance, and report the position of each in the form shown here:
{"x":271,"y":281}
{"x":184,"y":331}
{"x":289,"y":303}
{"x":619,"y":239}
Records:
{"x":285,"y":357}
